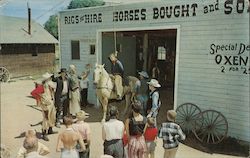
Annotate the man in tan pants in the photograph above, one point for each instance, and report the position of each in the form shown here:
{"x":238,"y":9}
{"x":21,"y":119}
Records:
{"x":117,"y":71}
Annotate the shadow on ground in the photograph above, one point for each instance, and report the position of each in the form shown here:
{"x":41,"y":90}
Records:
{"x":39,"y":135}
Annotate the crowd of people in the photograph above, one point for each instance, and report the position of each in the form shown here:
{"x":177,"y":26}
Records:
{"x":134,"y":138}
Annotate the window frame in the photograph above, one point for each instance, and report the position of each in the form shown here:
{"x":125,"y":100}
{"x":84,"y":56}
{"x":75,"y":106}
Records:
{"x":73,"y":50}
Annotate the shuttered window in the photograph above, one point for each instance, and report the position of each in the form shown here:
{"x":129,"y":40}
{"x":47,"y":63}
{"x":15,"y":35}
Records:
{"x":75,"y":50}
{"x":92,"y":49}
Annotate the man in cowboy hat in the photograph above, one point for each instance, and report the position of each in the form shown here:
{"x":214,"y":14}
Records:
{"x":47,"y":106}
{"x":154,"y":102}
{"x":117,"y":71}
{"x":171,"y":133}
{"x":142,"y":90}
{"x":83,"y":129}
{"x":61,"y":95}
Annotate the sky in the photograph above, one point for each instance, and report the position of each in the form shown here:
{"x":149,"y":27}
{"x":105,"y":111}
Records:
{"x":41,"y":10}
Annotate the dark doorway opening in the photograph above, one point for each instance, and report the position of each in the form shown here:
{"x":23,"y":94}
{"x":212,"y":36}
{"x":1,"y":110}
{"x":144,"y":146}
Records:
{"x":142,"y":50}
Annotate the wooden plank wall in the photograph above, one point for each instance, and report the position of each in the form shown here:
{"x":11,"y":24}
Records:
{"x":204,"y":77}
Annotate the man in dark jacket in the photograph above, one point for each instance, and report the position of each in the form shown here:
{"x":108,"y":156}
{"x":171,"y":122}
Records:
{"x":61,"y":95}
{"x":117,"y":71}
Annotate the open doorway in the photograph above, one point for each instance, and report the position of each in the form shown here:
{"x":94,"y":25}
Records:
{"x":143,"y":50}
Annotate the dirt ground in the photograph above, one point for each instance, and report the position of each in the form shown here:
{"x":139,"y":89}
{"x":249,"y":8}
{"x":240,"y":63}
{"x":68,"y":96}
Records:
{"x":18,"y":111}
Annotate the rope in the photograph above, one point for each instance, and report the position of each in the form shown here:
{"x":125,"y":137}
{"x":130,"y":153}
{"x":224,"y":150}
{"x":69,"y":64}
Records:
{"x":114,"y":32}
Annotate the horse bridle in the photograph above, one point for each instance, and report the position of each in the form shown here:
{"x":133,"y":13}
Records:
{"x":106,"y":85}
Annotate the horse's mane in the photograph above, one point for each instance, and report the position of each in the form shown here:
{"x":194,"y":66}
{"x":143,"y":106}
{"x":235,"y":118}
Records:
{"x":105,"y":73}
{"x":104,"y":76}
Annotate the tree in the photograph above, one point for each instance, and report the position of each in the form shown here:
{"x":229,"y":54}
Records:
{"x":85,"y":3}
{"x":52,"y":24}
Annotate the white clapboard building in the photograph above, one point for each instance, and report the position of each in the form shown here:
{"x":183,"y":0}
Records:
{"x":201,"y":48}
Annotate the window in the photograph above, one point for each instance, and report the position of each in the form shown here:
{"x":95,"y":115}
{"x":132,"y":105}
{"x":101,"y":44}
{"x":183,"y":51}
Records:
{"x":92,"y":49}
{"x":161,"y":55}
{"x":34,"y":50}
{"x":75,"y":50}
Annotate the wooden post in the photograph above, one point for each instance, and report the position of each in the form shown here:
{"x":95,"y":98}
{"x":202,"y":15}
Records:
{"x":145,"y":51}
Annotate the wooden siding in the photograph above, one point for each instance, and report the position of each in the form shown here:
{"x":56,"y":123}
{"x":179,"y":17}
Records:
{"x":199,"y":79}
{"x":26,"y":64}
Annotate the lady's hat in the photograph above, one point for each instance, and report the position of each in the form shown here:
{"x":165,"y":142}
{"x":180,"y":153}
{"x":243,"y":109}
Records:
{"x":171,"y":115}
{"x":82,"y":115}
{"x":144,"y":74}
{"x":154,"y":83}
{"x":63,"y":70}
{"x":46,"y":76}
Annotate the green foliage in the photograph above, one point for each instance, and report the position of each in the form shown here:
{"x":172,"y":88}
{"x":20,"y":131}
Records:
{"x":52,"y":26}
{"x":85,"y":3}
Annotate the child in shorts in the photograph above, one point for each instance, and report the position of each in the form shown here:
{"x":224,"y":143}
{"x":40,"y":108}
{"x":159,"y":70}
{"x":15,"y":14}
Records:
{"x":150,"y":136}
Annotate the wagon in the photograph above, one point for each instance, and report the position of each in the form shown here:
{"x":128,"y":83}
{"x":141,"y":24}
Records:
{"x":4,"y":74}
{"x":209,"y":126}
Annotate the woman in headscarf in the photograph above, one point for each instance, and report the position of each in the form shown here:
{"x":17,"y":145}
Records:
{"x":74,"y":95}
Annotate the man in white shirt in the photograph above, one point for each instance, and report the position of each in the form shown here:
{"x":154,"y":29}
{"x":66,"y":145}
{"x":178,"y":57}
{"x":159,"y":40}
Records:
{"x":112,"y":133}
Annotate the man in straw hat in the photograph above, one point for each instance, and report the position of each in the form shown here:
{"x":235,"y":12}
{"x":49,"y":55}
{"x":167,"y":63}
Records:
{"x":154,"y":102}
{"x":171,"y":133}
{"x":83,"y":129}
{"x":117,"y":71}
{"x":61,"y":95}
{"x":47,"y":106}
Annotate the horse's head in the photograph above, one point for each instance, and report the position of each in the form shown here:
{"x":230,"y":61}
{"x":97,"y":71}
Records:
{"x":98,"y":72}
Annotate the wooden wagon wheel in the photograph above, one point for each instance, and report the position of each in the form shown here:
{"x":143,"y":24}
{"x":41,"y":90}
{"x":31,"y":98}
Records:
{"x":213,"y":127}
{"x":4,"y":75}
{"x":187,"y":114}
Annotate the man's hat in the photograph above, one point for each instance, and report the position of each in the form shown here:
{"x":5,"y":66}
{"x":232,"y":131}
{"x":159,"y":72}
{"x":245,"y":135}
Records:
{"x":82,"y":115}
{"x":144,"y":74}
{"x":63,"y":70}
{"x":46,"y":76}
{"x":154,"y":83}
{"x":171,"y":115}
{"x":113,"y":55}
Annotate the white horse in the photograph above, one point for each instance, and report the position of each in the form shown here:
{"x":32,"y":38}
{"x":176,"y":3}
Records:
{"x":105,"y":89}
